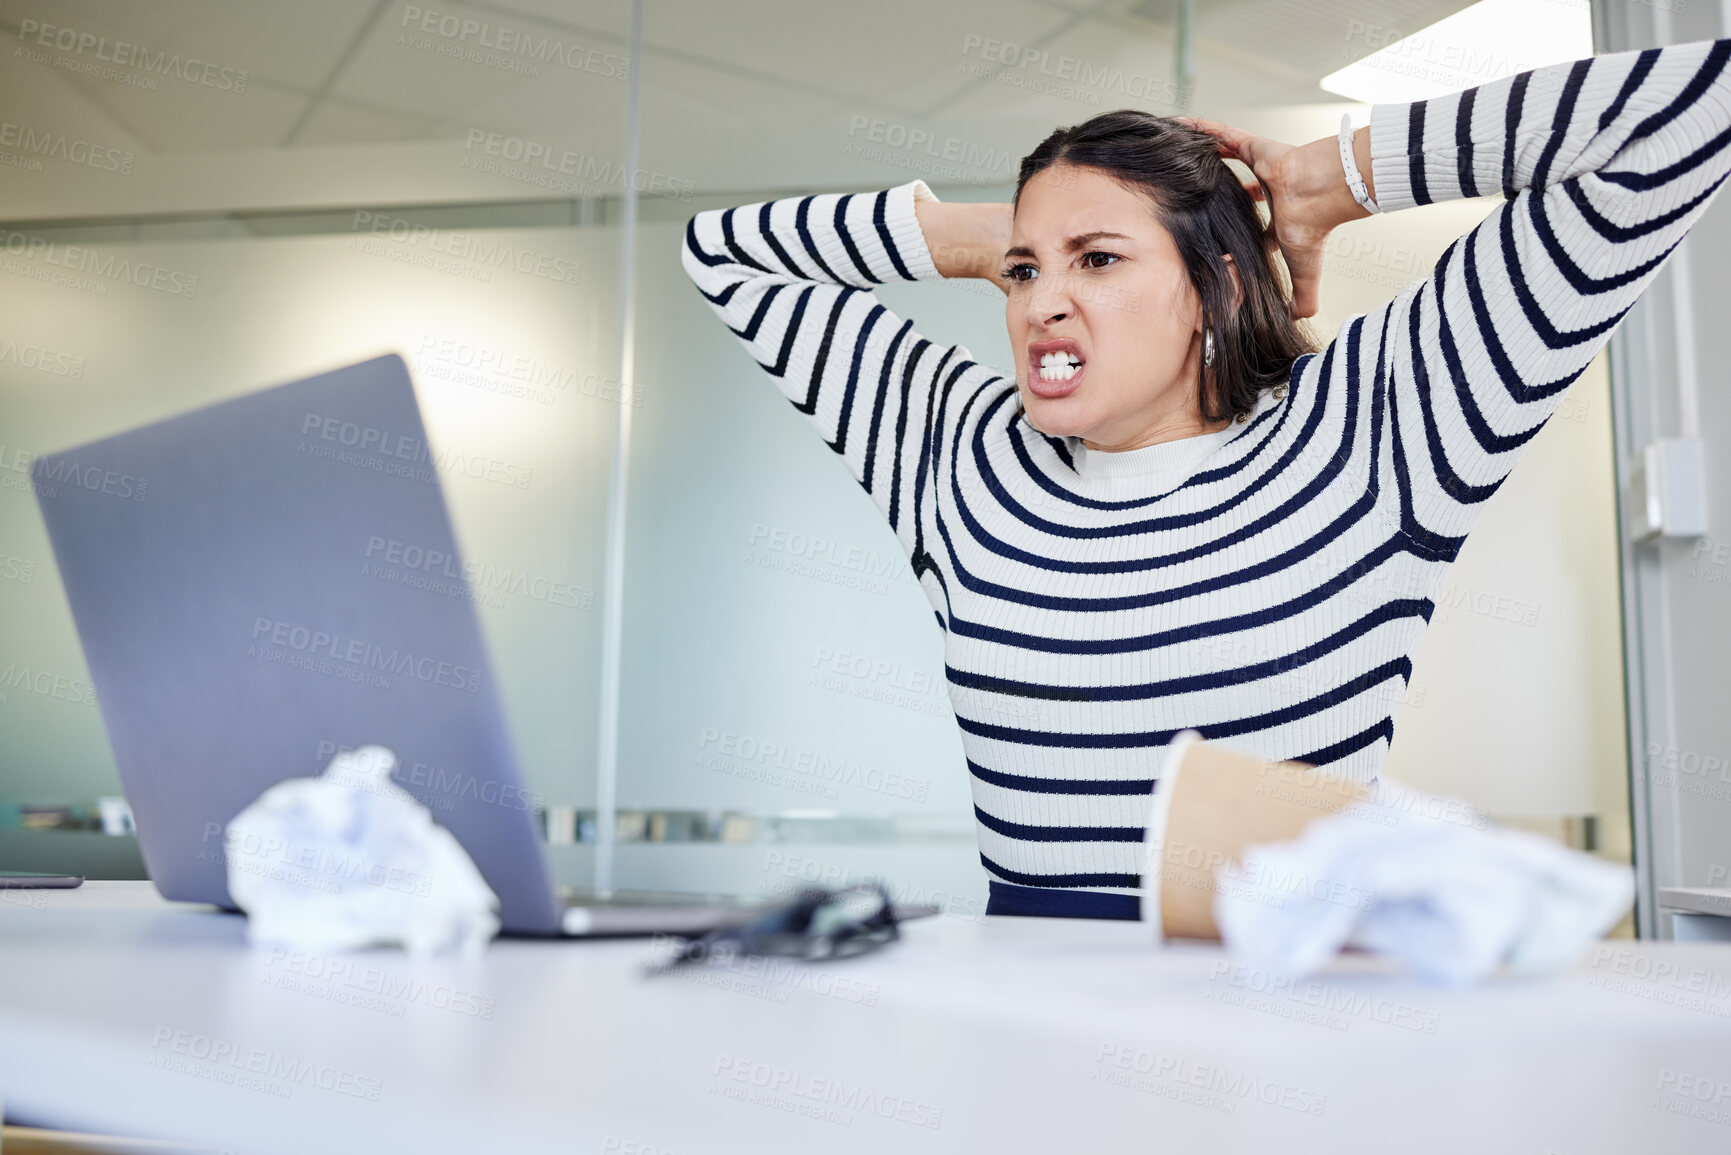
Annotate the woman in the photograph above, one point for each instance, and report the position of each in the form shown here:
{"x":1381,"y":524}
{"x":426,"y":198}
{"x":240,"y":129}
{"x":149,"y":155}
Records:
{"x":1178,"y":515}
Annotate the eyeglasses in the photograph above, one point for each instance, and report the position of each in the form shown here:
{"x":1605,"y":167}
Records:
{"x":814,"y":924}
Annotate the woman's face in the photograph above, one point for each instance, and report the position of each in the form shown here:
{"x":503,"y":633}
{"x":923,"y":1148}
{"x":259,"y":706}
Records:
{"x":1093,"y":271}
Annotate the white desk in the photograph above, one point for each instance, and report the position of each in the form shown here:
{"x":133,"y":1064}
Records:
{"x":109,"y":998}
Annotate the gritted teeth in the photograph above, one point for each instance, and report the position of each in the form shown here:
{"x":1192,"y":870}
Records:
{"x":1059,"y":366}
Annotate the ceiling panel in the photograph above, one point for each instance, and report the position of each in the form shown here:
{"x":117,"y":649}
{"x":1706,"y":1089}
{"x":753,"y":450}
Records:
{"x":735,"y":93}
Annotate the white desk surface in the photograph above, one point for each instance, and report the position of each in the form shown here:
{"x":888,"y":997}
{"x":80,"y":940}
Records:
{"x":125,"y":1014}
{"x":1697,"y":899}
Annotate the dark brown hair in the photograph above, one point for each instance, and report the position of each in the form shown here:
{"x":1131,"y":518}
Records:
{"x":1200,"y":202}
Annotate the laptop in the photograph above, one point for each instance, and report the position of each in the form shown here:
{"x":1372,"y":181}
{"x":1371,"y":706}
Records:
{"x":266,"y":581}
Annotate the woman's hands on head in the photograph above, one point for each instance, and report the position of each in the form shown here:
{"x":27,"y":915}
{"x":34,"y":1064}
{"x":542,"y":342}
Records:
{"x":1305,"y":189}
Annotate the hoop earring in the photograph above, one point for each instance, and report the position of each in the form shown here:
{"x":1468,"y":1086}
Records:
{"x":1207,"y":347}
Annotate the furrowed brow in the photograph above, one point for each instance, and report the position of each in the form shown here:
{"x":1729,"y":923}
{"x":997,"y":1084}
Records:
{"x":1079,"y":241}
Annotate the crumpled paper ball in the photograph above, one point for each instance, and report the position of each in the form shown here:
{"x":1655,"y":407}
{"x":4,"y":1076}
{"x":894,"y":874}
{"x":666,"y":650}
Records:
{"x":1424,"y":879}
{"x":351,"y":860}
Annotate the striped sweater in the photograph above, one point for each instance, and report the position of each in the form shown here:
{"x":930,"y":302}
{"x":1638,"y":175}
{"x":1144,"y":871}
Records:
{"x":1265,"y":585}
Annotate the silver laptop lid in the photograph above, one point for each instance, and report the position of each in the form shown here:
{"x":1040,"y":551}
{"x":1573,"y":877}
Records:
{"x":267,"y":580}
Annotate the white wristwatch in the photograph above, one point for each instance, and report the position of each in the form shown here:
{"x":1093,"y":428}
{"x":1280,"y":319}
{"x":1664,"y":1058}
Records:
{"x":1354,"y":180}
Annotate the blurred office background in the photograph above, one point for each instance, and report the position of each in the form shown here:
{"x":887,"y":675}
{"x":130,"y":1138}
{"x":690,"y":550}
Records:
{"x":199,"y":199}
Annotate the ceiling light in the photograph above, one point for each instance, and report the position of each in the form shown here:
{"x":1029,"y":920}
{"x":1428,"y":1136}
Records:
{"x":1488,"y":41}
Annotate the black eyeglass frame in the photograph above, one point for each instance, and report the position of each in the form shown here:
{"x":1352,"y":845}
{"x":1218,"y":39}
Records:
{"x":787,"y":930}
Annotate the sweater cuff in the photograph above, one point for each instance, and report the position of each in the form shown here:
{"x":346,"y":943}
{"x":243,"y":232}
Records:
{"x":1390,"y":162}
{"x":905,"y":230}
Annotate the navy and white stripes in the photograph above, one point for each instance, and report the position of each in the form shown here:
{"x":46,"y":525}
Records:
{"x":1265,"y":585}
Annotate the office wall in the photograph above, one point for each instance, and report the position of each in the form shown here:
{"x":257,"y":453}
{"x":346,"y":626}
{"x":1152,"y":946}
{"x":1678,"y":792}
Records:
{"x":769,"y":607}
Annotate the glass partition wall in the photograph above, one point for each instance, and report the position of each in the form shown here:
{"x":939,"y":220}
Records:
{"x":456,"y":183}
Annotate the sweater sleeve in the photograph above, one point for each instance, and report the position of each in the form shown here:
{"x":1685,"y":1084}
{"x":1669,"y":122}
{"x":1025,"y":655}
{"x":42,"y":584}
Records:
{"x":792,"y":279}
{"x":1604,"y":165}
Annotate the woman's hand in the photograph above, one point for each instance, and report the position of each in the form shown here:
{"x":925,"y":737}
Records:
{"x":967,"y":239}
{"x":1306,"y":193}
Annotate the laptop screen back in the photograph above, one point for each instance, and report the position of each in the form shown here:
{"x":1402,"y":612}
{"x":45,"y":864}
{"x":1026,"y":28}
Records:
{"x":266,"y":581}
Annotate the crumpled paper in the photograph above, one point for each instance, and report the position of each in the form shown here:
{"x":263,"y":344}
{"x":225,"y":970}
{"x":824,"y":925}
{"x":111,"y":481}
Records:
{"x":1421,"y":878}
{"x":351,"y":860}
